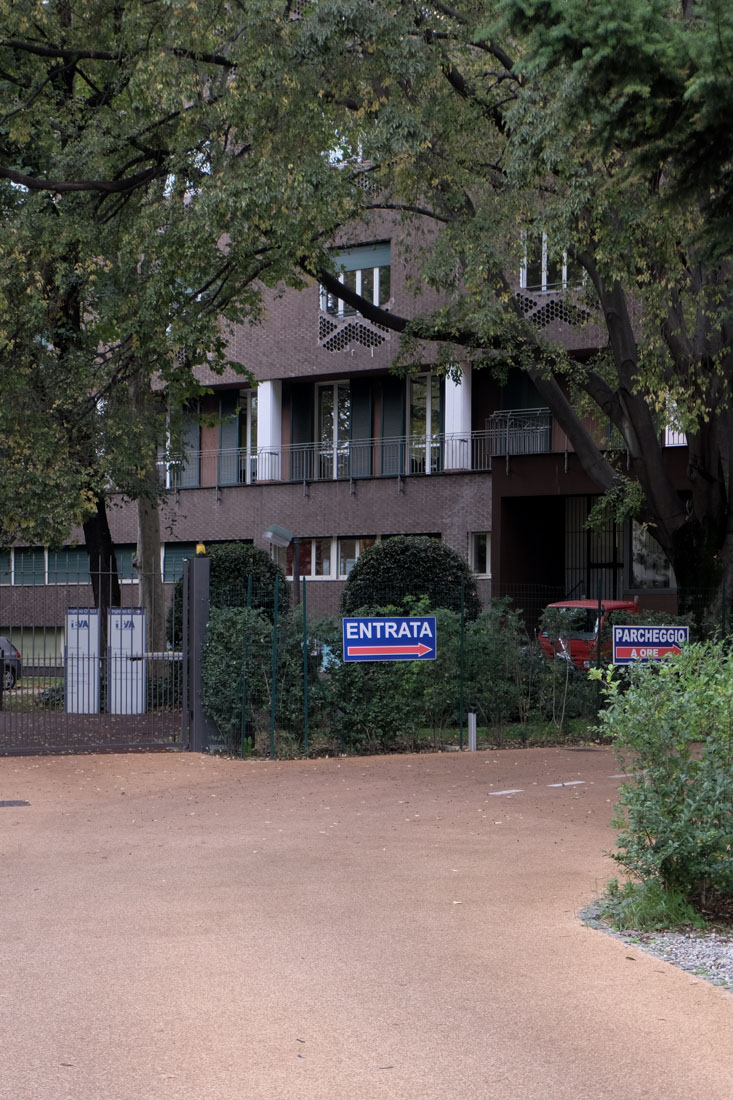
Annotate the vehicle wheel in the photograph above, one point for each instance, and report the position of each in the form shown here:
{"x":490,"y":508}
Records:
{"x":8,"y":679}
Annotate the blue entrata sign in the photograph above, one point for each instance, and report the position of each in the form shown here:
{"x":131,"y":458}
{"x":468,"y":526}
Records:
{"x":647,"y":643}
{"x":401,"y":639}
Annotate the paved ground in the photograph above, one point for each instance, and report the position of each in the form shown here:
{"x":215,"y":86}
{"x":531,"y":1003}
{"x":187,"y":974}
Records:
{"x":184,"y":927}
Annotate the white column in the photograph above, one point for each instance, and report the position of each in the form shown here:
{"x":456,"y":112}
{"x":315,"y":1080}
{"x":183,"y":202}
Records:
{"x":269,"y":430}
{"x":457,"y":420}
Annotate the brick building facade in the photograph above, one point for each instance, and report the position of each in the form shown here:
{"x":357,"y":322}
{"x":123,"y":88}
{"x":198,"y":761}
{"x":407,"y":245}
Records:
{"x":325,"y":440}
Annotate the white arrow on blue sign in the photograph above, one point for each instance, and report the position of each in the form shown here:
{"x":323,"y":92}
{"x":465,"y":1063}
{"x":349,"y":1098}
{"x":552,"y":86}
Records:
{"x":404,"y":638}
{"x":633,"y":644}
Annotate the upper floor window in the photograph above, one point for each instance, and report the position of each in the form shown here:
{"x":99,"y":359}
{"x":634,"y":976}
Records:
{"x":425,"y":423}
{"x":365,"y":270}
{"x":545,"y":267}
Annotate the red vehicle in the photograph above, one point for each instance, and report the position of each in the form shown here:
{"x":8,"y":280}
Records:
{"x":570,"y":628}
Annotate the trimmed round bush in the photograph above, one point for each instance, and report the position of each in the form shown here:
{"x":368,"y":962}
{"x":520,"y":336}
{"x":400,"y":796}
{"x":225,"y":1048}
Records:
{"x":409,"y":568}
{"x":232,"y":563}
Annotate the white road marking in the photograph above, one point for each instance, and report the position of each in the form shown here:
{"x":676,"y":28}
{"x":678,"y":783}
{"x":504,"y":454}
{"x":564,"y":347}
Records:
{"x":517,"y":790}
{"x":569,"y":783}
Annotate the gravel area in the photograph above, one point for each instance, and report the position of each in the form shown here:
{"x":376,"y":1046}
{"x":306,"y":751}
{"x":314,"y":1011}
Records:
{"x":707,"y":955}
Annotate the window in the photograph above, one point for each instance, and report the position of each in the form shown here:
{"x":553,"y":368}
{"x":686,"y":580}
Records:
{"x":29,"y":566}
{"x":173,"y":555}
{"x":350,"y":551}
{"x":545,"y":268}
{"x":248,"y":437}
{"x":649,"y":566}
{"x":480,"y":553}
{"x":6,"y":569}
{"x":425,"y":423}
{"x":68,"y":566}
{"x":315,"y":557}
{"x":366,"y":271}
{"x":123,"y":555}
{"x":321,"y":557}
{"x":333,"y":429}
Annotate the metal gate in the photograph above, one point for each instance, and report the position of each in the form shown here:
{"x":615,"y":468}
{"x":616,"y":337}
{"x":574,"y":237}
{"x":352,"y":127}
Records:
{"x":90,"y":664}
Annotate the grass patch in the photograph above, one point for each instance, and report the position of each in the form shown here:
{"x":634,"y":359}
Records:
{"x":647,"y":907}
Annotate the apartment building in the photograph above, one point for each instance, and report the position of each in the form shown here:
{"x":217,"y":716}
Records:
{"x":329,"y":443}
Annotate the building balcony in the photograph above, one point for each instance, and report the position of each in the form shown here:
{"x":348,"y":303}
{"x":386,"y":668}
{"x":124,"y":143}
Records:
{"x":506,"y":433}
{"x":515,"y":432}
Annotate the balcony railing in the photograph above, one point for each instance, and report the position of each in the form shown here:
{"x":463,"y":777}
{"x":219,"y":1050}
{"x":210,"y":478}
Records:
{"x":515,"y":433}
{"x":506,"y":433}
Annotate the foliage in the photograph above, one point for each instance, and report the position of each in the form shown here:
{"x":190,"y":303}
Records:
{"x":237,"y":670}
{"x":647,"y":907}
{"x":405,"y":568}
{"x":370,"y":706}
{"x":237,"y":651}
{"x":652,"y":77}
{"x":490,"y":130}
{"x":672,"y":726}
{"x":231,"y":566}
{"x":146,"y":193}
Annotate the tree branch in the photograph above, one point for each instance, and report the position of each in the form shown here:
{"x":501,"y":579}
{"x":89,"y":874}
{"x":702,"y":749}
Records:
{"x":74,"y":55}
{"x":107,"y":187}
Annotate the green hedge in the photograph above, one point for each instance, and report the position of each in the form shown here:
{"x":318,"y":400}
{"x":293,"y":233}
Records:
{"x":406,"y":568}
{"x":231,"y":566}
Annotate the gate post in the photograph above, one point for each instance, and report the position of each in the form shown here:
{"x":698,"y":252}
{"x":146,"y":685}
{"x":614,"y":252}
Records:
{"x":198,"y":726}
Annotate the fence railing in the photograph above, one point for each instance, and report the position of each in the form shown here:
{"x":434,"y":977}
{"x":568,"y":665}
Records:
{"x":525,"y":432}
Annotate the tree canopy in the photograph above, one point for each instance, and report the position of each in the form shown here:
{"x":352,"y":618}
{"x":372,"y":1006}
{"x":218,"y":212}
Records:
{"x":145,"y":189}
{"x":188,"y":152}
{"x":497,"y":121}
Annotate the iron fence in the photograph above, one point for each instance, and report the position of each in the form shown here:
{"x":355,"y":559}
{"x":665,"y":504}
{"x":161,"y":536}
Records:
{"x":87,"y":665}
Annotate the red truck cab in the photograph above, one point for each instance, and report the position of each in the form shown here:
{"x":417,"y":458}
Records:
{"x":571,"y":630}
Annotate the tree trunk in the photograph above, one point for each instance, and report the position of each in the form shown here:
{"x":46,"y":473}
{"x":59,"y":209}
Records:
{"x":102,"y":564}
{"x":151,"y":582}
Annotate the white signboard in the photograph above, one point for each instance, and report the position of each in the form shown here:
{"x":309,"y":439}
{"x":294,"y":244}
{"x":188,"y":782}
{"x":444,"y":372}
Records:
{"x":81,"y":660}
{"x":126,"y":688}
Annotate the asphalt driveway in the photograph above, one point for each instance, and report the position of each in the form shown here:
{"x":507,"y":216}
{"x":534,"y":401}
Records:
{"x":179,"y":926}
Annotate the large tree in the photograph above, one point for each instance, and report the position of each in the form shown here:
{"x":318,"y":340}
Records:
{"x":222,"y":142}
{"x":144,"y":189}
{"x":482,"y":119}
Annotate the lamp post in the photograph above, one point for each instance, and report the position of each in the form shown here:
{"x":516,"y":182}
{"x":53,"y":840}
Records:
{"x":282,"y":538}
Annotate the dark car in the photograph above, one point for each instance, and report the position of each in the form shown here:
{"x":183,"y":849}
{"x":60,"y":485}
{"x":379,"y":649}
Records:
{"x":13,"y":664}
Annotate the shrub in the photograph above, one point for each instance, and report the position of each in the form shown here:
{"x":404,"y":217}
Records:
{"x":238,"y":645}
{"x":406,"y":568}
{"x":672,"y":726}
{"x":231,"y":566}
{"x":495,"y":665}
{"x":237,"y":664}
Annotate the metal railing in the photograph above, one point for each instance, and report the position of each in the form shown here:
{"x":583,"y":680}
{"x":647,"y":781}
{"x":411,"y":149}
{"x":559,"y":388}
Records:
{"x":525,"y":432}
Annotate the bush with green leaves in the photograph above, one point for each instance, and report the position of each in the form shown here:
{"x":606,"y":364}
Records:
{"x":406,"y":568}
{"x":376,"y":706}
{"x":496,"y":680}
{"x":236,"y":658}
{"x":231,"y":564}
{"x":672,"y":727}
{"x":237,"y":671}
